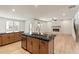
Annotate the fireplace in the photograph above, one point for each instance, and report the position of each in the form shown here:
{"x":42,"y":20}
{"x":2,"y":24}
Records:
{"x":56,"y":30}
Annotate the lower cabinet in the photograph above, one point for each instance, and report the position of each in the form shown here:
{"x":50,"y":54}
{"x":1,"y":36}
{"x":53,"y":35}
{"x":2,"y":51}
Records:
{"x":17,"y":36}
{"x":12,"y":39}
{"x":29,"y":44}
{"x":35,"y":47}
{"x":43,"y":47}
{"x":24,"y":42}
{"x":5,"y":39}
{"x":0,"y":40}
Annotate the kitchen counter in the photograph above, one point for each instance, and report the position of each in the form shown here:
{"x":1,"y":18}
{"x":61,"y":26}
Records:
{"x":42,"y":37}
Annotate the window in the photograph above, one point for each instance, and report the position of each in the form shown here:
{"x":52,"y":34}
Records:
{"x":16,"y":26}
{"x":12,"y":26}
{"x":9,"y":26}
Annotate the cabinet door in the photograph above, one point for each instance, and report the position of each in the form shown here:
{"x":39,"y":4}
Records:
{"x":5,"y":39}
{"x":43,"y":47}
{"x":12,"y":39}
{"x":35,"y":48}
{"x":29,"y":44}
{"x":17,"y":36}
{"x":24,"y":42}
{"x":0,"y":40}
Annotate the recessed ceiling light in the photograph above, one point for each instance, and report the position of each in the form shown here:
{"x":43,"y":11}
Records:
{"x":36,"y":6}
{"x":64,"y":14}
{"x":13,"y":10}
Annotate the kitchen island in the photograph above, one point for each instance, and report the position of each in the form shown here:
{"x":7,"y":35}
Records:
{"x":38,"y":44}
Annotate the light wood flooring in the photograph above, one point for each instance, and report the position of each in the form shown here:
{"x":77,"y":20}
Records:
{"x":14,"y":48}
{"x":65,"y":44}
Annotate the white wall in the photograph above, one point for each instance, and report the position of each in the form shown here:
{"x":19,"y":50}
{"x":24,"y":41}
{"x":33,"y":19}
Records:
{"x":27,"y":24}
{"x":66,"y":26}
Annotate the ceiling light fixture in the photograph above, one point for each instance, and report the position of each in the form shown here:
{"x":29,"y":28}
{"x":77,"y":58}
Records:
{"x":36,"y":6}
{"x":13,"y":10}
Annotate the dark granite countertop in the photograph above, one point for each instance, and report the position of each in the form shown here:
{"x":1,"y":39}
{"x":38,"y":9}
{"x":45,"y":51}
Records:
{"x":42,"y":37}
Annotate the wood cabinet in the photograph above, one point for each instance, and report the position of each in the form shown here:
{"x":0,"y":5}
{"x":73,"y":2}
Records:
{"x":24,"y":42}
{"x":0,"y":40}
{"x":29,"y":44}
{"x":46,"y":47}
{"x":5,"y":39}
{"x":35,"y":46}
{"x":17,"y":36}
{"x":12,"y":39}
{"x":43,"y":47}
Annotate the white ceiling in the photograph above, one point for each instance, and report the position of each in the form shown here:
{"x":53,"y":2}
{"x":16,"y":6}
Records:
{"x":25,"y":12}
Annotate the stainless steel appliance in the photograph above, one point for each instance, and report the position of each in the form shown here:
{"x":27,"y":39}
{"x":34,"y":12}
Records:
{"x":76,"y":27}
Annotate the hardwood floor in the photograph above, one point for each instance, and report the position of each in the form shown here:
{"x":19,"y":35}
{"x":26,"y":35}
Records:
{"x":65,"y":44}
{"x":76,"y":51}
{"x":14,"y":48}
